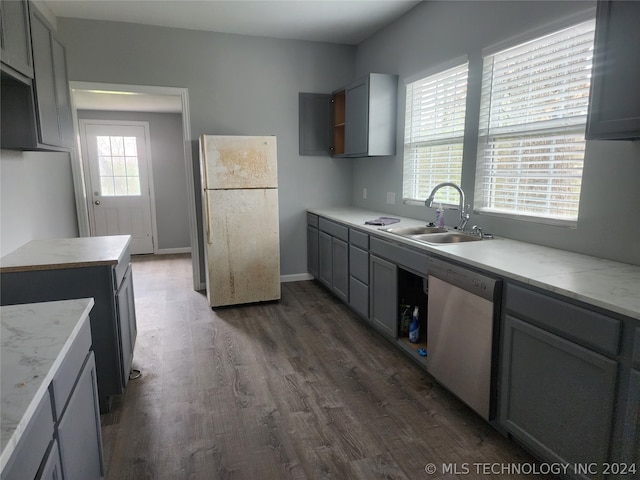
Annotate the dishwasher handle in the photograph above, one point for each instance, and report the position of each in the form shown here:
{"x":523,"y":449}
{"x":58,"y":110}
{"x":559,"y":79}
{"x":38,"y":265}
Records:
{"x":473,"y":282}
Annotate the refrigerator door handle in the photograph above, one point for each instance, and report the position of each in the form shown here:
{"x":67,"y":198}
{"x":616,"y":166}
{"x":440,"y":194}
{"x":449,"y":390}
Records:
{"x":208,"y":219}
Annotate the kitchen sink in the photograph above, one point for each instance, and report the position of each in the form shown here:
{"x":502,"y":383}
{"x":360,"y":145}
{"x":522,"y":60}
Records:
{"x":433,"y":235}
{"x":411,"y":231}
{"x":449,"y":237}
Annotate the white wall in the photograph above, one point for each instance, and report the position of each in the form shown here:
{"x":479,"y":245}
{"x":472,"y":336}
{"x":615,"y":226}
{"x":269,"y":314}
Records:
{"x":434,"y":32}
{"x":36,"y":198}
{"x":237,"y":85}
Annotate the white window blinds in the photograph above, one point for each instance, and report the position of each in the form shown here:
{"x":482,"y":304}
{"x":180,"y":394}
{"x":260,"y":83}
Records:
{"x":532,"y":121}
{"x":434,"y":132}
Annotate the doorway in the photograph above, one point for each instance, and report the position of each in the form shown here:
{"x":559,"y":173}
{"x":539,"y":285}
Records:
{"x":141,"y":98}
{"x":119,"y":181}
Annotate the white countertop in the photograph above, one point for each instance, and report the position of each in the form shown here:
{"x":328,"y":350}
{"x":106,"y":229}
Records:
{"x":614,"y":286}
{"x":35,"y":339}
{"x":57,"y":253}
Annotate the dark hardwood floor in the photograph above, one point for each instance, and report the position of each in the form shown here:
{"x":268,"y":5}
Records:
{"x":299,"y":388}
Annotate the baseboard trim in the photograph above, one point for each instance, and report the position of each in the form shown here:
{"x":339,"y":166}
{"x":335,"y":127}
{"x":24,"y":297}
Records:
{"x":296,"y":277}
{"x":169,"y":251}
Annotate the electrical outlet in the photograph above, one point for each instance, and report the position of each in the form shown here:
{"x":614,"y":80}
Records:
{"x":364,"y":193}
{"x":391,"y":198}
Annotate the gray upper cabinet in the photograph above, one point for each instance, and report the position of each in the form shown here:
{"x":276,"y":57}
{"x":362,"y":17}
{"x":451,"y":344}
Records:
{"x":15,"y":42}
{"x":51,"y":85}
{"x":614,"y":109}
{"x":36,"y":112}
{"x":370,"y":114}
{"x":358,"y":120}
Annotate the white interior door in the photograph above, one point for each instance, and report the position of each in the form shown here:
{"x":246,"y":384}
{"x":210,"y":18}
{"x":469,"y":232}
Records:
{"x":118,"y":181}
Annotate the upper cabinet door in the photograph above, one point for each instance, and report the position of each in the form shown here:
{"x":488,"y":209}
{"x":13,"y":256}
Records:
{"x":614,"y":110}
{"x":46,"y":104}
{"x":15,"y":42}
{"x":356,"y":129}
{"x":51,"y":84}
{"x":314,"y":125}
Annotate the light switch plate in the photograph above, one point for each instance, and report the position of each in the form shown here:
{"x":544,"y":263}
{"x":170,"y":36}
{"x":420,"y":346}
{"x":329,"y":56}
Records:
{"x":391,"y":198}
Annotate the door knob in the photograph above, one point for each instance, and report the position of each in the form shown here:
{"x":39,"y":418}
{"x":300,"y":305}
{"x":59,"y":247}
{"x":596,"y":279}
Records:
{"x":97,"y":202}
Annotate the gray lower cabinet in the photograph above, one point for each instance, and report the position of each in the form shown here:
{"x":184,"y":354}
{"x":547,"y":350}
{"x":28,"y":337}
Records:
{"x":63,"y":439}
{"x":560,"y":372}
{"x":113,"y":322}
{"x":51,"y":469}
{"x":629,"y":453}
{"x":127,"y":326}
{"x":340,"y":268}
{"x":557,"y":396}
{"x":359,"y":280}
{"x":383,"y":287}
{"x":333,"y":258}
{"x":312,"y":250}
{"x":79,"y":429}
{"x":33,"y":445}
{"x":359,"y":272}
{"x":325,"y":263}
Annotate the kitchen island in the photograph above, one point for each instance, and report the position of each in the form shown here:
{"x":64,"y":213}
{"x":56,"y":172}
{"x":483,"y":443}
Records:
{"x":90,"y":267}
{"x":50,"y":418}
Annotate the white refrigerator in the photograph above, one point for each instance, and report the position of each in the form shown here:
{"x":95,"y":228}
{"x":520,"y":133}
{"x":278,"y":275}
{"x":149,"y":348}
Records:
{"x":241,"y":225}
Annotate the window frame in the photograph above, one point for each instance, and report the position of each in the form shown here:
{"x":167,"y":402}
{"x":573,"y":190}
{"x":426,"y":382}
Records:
{"x":421,"y":76}
{"x":538,"y":33}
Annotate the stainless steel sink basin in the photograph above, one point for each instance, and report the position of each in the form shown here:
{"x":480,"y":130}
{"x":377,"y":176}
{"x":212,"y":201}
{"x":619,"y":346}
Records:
{"x":433,"y":235}
{"x":449,"y":237}
{"x":412,"y":231}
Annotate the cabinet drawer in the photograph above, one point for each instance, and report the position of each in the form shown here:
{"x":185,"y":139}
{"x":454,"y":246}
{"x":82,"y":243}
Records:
{"x":359,"y":297}
{"x":571,"y":321}
{"x":359,"y":264}
{"x":312,"y":220}
{"x":359,"y":239}
{"x":334,"y":229}
{"x":400,"y":255}
{"x":65,"y":378}
{"x":32,"y":447}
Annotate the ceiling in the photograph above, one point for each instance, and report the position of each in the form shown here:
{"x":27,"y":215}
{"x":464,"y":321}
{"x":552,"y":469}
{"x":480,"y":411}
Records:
{"x":334,"y":21}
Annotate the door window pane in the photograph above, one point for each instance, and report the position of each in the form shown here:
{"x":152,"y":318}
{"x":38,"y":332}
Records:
{"x":118,"y":166}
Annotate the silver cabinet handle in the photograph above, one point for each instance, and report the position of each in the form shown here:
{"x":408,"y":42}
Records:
{"x":97,"y":202}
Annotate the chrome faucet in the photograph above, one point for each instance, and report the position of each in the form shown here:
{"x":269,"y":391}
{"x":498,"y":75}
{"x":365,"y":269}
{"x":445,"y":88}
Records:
{"x":464,"y":216}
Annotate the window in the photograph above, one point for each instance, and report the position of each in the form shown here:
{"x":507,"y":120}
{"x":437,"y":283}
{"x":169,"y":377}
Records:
{"x":118,"y":160}
{"x":532,"y":121}
{"x":433,"y":134}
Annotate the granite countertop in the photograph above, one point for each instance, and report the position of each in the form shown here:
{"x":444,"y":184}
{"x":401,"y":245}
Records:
{"x":35,"y":339}
{"x":614,"y":286}
{"x":53,"y":254}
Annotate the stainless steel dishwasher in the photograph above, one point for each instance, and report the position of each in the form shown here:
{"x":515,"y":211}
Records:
{"x":460,"y":333}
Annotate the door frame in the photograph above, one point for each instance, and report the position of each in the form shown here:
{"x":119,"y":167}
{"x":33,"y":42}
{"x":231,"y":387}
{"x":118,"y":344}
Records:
{"x":82,"y":123}
{"x":78,"y":175}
